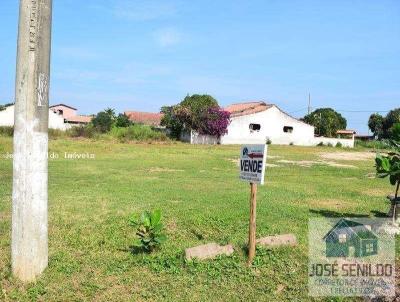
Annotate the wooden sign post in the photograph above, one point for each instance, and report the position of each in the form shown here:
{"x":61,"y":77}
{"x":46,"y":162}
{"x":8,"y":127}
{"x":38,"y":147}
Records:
{"x":252,"y":169}
{"x":252,"y":223}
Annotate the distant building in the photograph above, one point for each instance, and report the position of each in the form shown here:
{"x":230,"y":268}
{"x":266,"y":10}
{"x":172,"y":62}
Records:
{"x":55,"y":120}
{"x":258,"y":122}
{"x":346,"y":134}
{"x":70,"y":115}
{"x":364,"y":137}
{"x":145,"y":118}
{"x":61,"y":117}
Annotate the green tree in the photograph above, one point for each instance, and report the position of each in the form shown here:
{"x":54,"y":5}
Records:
{"x":188,"y":114}
{"x":393,"y":117}
{"x":375,"y":124}
{"x":171,"y":122}
{"x":193,"y":108}
{"x":395,"y":132}
{"x":4,"y":107}
{"x":104,"y":120}
{"x":326,"y":121}
{"x":122,"y":121}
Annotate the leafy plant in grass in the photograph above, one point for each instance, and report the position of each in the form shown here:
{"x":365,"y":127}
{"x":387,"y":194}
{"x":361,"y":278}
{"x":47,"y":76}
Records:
{"x":389,"y":166}
{"x":149,"y":230}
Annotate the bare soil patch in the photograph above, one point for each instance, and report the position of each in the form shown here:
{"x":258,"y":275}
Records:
{"x":348,"y":155}
{"x":376,"y":193}
{"x":309,"y":163}
{"x":158,"y":169}
{"x":335,"y":204}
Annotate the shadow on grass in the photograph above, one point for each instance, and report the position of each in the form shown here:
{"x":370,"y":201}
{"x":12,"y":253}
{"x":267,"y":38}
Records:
{"x":379,"y":214}
{"x":134,"y":250}
{"x":329,"y":213}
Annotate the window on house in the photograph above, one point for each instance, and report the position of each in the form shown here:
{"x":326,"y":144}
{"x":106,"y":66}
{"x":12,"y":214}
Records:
{"x":369,"y":248}
{"x":288,"y":129}
{"x":60,"y":112}
{"x":255,"y":127}
{"x":342,"y":238}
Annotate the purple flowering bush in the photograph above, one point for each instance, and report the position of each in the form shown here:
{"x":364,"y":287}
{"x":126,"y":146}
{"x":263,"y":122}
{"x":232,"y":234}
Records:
{"x":215,"y":121}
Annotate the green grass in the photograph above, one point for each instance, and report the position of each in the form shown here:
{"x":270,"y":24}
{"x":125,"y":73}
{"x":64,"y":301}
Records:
{"x":202,"y":200}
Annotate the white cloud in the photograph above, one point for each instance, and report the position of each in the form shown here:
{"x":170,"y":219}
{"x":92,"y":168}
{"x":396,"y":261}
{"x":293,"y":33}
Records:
{"x":167,"y":37}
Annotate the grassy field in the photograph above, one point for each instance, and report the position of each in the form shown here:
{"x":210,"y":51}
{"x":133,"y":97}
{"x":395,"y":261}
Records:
{"x":202,"y":200}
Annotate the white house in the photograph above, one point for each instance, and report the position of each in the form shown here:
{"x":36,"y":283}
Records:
{"x":70,"y":115}
{"x":55,"y":120}
{"x":258,"y":123}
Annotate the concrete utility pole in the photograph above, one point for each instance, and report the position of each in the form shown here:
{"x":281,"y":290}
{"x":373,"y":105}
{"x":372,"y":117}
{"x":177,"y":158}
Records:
{"x":29,"y":247}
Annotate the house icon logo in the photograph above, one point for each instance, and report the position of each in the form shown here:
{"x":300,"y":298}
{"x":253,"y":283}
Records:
{"x":350,"y":239}
{"x":245,"y":152}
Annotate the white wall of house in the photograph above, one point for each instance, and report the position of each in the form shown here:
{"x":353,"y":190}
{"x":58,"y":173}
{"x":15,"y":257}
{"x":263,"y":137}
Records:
{"x":272,"y":122}
{"x":345,"y":142}
{"x":198,"y":139}
{"x":55,"y":121}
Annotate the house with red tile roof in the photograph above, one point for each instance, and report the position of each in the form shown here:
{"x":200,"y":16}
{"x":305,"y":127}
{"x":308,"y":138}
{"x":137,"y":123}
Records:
{"x":145,"y":118}
{"x":258,"y":122}
{"x":70,"y":115}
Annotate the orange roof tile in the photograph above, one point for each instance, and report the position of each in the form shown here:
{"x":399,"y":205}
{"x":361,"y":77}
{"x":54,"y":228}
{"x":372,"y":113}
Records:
{"x":346,"y":132}
{"x":147,"y":118}
{"x":240,"y":109}
{"x":81,"y":119}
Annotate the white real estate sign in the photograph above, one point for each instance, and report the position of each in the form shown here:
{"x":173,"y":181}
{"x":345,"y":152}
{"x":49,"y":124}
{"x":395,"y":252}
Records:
{"x":252,"y":163}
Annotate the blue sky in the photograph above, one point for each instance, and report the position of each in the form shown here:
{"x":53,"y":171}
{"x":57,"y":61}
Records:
{"x":142,"y":54}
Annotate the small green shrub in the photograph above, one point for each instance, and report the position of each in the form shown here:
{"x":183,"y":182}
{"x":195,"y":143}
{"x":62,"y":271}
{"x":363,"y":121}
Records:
{"x":291,"y":144}
{"x":329,"y":145}
{"x":269,"y":142}
{"x":104,"y":120}
{"x":138,"y":133}
{"x":320,"y":144}
{"x":88,"y":131}
{"x":388,"y":165}
{"x":373,"y":144}
{"x":149,"y":231}
{"x":7,"y":131}
{"x":122,"y":121}
{"x":339,"y":145}
{"x":56,"y":133}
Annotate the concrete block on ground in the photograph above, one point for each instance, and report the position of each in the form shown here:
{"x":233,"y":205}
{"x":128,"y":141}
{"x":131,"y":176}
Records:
{"x":208,"y":251}
{"x":278,"y":240}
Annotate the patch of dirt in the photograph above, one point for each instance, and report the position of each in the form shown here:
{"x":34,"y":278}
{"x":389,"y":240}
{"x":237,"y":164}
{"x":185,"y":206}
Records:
{"x":310,"y":163}
{"x":172,"y":226}
{"x":334,"y":164}
{"x":375,"y":192}
{"x":302,"y":163}
{"x":158,"y":169}
{"x":328,"y":204}
{"x":279,"y":288}
{"x":5,"y":215}
{"x":175,"y":201}
{"x":234,"y":160}
{"x":348,"y":155}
